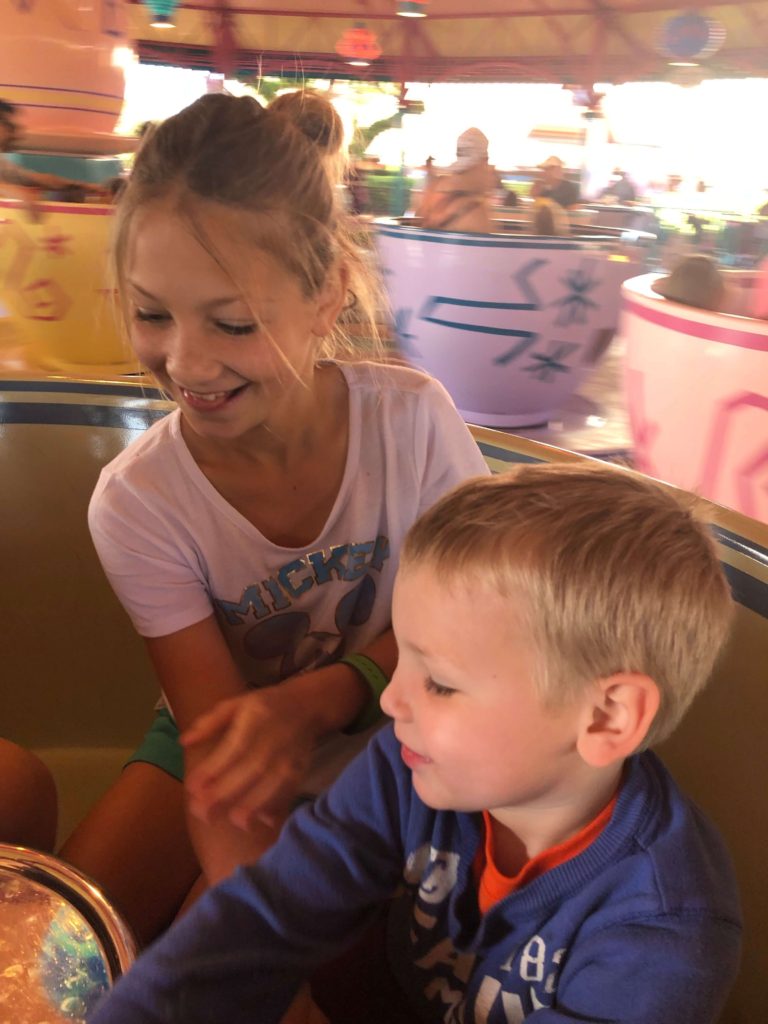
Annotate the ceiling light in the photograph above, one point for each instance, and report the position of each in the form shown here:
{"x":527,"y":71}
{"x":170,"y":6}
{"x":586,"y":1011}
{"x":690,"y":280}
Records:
{"x":162,"y":12}
{"x":412,"y":8}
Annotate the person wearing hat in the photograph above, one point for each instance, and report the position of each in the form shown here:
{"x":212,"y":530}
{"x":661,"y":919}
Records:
{"x":459,"y":199}
{"x":552,"y":184}
{"x":695,"y":281}
{"x":620,"y":189}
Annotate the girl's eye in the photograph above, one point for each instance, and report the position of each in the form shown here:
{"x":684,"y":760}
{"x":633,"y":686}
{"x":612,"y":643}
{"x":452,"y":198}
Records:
{"x":146,"y":316}
{"x":235,"y":329}
{"x":437,"y":689}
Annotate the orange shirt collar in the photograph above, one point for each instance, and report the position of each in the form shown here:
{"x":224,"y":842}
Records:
{"x":494,"y":886}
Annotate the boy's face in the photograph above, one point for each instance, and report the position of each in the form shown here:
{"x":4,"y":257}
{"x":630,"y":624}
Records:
{"x":473,"y":730}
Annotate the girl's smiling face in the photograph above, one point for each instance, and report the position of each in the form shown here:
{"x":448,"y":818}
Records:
{"x":232,"y":365}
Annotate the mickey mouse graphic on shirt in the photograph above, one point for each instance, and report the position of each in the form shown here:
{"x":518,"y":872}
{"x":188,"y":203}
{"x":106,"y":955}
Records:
{"x":283,"y":642}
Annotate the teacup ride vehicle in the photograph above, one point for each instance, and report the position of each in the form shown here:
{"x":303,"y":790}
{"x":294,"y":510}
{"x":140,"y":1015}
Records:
{"x":62,"y":943}
{"x":696,"y":386}
{"x":56,"y":302}
{"x":83,"y":691}
{"x":511,"y":323}
{"x":591,"y":216}
{"x":58,"y":306}
{"x":615,"y":215}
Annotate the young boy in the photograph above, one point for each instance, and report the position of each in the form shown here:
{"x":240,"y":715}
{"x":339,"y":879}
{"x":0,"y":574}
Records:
{"x":551,"y":623}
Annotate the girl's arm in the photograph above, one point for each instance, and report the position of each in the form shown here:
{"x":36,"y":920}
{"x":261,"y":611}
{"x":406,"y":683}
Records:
{"x":195,"y":668}
{"x":242,"y":951}
{"x":250,"y":751}
{"x":247,"y":758}
{"x":196,"y":671}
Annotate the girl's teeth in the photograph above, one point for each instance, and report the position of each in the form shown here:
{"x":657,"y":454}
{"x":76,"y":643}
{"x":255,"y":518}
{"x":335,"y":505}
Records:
{"x":216,"y":396}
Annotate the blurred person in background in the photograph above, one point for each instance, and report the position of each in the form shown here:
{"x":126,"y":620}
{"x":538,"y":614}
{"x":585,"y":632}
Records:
{"x":549,"y":218}
{"x":460,"y":198}
{"x":758,"y":299}
{"x":696,"y":281}
{"x":620,"y":189}
{"x":553,"y":184}
{"x":13,"y":177}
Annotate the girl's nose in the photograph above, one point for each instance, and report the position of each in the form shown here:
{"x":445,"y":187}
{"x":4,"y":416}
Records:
{"x":188,"y":359}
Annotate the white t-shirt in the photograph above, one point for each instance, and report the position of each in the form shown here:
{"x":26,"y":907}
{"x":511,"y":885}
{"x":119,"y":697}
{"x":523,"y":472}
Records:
{"x":175,"y":551}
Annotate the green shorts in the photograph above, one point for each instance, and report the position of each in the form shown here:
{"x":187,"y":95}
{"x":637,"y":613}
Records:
{"x":161,"y":746}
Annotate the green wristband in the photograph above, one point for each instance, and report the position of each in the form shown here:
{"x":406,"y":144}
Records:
{"x":375,"y":679}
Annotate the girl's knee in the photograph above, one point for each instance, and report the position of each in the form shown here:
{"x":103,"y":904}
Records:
{"x":28,"y":800}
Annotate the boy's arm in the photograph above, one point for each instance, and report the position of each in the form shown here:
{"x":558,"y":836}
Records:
{"x":664,"y":969}
{"x":240,"y":954}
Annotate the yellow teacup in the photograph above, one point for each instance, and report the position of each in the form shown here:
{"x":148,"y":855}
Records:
{"x":54,"y":283}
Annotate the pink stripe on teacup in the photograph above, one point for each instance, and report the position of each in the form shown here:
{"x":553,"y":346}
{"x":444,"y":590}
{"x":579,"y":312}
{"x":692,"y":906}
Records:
{"x":699,"y":328}
{"x":83,"y":209}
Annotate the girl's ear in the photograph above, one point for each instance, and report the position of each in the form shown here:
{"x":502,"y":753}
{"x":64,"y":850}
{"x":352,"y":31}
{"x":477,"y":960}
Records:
{"x":331,"y":299}
{"x":618,"y":718}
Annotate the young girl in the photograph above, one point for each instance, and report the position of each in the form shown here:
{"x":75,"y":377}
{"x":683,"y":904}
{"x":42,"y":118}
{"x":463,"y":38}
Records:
{"x":253,"y":534}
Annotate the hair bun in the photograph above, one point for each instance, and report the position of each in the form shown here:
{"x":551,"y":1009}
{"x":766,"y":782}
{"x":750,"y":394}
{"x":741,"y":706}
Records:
{"x":314,"y":116}
{"x":215,"y":118}
{"x":223,"y":108}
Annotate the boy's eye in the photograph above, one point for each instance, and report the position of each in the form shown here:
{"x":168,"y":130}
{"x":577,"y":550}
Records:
{"x":236,"y":329}
{"x":437,"y":689}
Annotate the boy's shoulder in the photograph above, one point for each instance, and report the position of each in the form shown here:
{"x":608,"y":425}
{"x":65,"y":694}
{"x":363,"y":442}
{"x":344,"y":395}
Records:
{"x":675,"y":860}
{"x":659,"y":857}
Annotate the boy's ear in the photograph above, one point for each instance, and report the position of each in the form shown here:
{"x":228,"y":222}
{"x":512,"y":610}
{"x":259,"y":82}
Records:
{"x":617,"y":718}
{"x":331,"y":299}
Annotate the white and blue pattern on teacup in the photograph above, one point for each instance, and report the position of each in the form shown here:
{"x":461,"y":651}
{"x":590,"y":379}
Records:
{"x":511,"y":326}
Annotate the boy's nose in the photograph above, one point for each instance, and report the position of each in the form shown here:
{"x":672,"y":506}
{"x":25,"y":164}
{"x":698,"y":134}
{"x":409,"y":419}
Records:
{"x":393,"y":700}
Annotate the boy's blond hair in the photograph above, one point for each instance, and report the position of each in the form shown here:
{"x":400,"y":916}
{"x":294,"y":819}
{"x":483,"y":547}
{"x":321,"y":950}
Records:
{"x":609,"y":571}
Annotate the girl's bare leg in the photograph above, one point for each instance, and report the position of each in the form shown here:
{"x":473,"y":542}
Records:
{"x":134,"y":844}
{"x":28,"y":802}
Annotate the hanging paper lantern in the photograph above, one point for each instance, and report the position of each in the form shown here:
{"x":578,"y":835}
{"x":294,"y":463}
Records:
{"x":162,"y":12}
{"x":359,"y":44}
{"x":412,"y":8}
{"x":690,"y":36}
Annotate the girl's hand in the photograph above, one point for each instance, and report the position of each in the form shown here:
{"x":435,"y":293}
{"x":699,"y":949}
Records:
{"x":261,"y":745}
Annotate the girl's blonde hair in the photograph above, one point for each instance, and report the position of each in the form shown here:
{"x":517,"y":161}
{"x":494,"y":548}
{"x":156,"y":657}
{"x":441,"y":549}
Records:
{"x":283,"y":164}
{"x":605,"y":572}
